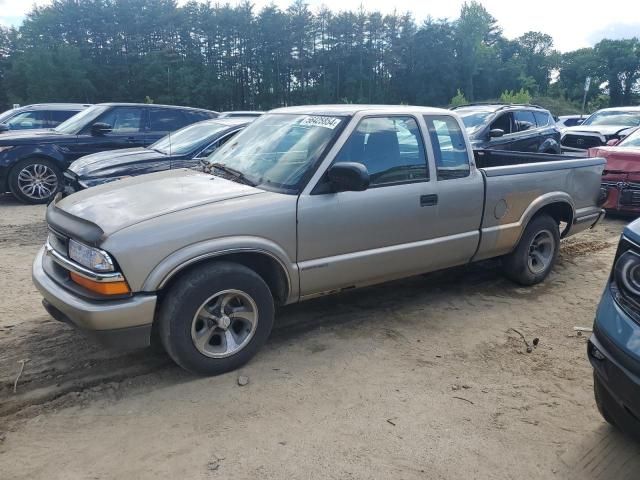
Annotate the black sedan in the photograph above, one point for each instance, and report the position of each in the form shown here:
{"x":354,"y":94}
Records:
{"x":182,"y":149}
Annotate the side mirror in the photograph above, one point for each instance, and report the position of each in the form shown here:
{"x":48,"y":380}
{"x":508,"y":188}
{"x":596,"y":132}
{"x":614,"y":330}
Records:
{"x":98,"y":129}
{"x":349,"y":177}
{"x":496,"y":132}
{"x":613,"y":142}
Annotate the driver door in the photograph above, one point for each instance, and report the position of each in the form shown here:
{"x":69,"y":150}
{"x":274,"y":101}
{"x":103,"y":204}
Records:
{"x":127,"y":125}
{"x":350,"y":239}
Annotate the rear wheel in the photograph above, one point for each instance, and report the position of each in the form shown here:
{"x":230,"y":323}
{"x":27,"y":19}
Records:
{"x":35,"y":180}
{"x":216,"y":317}
{"x":536,"y":253}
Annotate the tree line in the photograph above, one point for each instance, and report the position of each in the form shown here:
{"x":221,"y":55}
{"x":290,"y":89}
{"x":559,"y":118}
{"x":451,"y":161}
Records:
{"x":237,"y":57}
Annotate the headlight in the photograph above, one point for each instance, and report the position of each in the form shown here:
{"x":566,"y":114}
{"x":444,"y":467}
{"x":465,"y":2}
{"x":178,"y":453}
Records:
{"x":4,"y":149}
{"x":627,"y":273}
{"x":92,"y":258}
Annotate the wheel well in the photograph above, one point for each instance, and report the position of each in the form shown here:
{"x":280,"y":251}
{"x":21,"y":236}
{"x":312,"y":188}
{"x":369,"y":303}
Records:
{"x":270,"y":269}
{"x":561,"y":212}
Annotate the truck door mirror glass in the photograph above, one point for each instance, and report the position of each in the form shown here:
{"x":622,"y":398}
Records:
{"x":348,"y":177}
{"x":99,"y":129}
{"x":496,"y":132}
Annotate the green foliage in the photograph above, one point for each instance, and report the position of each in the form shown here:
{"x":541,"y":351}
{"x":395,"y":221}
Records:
{"x":458,"y":100}
{"x":231,"y":56}
{"x":511,"y":96}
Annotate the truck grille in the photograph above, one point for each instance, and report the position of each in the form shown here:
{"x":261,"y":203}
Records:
{"x":581,"y":141}
{"x":630,"y":198}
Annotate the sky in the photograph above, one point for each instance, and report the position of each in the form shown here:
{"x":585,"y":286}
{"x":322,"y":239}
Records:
{"x":573,"y":24}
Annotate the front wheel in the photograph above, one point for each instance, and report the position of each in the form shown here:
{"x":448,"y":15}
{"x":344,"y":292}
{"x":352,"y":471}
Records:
{"x":35,"y":180}
{"x":536,"y":253}
{"x":215,"y":318}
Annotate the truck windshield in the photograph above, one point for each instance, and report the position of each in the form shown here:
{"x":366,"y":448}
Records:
{"x":188,"y":138}
{"x":614,"y":117}
{"x":276,"y":150}
{"x":633,"y":140}
{"x":76,"y":123}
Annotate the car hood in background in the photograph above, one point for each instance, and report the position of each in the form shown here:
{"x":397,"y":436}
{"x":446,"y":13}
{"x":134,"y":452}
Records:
{"x":130,"y":161}
{"x":619,"y":159}
{"x":601,"y":129}
{"x":116,"y":205}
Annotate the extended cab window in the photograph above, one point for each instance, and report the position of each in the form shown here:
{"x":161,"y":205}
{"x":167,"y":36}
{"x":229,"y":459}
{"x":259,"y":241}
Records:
{"x":390,"y":147}
{"x":123,"y":119}
{"x":449,"y":147}
{"x":524,"y":120}
{"x":503,"y":122}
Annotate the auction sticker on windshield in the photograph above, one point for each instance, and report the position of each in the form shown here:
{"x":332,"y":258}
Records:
{"x":321,"y":121}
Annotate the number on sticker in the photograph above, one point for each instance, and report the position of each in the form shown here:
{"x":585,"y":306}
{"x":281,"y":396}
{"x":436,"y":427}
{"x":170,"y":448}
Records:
{"x":321,"y":121}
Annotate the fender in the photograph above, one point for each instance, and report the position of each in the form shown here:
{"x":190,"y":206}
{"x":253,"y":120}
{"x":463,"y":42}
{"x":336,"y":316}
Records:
{"x":21,"y":152}
{"x":502,"y":239}
{"x":192,"y":254}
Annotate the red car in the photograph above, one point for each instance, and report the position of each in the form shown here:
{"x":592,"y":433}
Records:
{"x":621,"y":176}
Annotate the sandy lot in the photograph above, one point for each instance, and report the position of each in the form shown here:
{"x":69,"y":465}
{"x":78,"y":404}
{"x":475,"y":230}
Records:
{"x":421,"y":378}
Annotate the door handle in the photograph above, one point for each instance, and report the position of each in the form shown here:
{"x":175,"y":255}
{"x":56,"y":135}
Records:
{"x":428,"y":200}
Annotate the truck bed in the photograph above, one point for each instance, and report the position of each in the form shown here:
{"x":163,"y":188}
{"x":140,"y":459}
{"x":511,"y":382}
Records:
{"x":518,"y":184}
{"x":502,"y":158}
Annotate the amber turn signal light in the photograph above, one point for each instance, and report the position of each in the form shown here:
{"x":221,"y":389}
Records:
{"x":103,"y":288}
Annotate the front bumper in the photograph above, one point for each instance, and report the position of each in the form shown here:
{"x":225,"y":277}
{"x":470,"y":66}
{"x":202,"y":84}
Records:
{"x":622,"y":197}
{"x":125,"y":322}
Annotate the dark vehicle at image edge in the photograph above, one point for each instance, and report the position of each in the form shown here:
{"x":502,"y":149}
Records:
{"x":39,"y":115}
{"x":32,"y":162}
{"x":520,"y":128}
{"x":614,"y":347}
{"x":185,"y":148}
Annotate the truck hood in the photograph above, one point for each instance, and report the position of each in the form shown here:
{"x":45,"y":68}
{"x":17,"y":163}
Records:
{"x":619,"y":159}
{"x":605,"y":130}
{"x":117,"y":205}
{"x":130,"y":161}
{"x":33,"y":137}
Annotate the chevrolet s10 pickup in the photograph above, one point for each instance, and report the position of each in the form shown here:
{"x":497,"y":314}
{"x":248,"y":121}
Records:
{"x":304,"y":202}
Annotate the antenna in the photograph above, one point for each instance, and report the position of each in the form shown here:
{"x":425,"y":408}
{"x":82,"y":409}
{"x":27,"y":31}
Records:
{"x":170,"y":152}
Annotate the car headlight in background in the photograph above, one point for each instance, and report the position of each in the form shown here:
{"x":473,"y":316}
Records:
{"x":627,"y":273}
{"x":92,"y":258}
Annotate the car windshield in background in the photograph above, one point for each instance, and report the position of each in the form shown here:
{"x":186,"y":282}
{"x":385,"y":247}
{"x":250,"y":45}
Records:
{"x":76,"y":123}
{"x":277,"y":150}
{"x":633,"y":140}
{"x":621,"y":118}
{"x":473,"y":119}
{"x":187,"y":139}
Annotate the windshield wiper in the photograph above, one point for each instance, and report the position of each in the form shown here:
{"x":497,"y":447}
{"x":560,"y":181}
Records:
{"x":235,"y":174}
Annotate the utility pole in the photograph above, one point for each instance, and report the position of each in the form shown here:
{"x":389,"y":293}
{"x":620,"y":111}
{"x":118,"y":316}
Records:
{"x":587,"y":84}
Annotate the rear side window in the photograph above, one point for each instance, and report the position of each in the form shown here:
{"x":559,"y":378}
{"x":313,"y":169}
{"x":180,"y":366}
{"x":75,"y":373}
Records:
{"x":24,"y":120}
{"x":449,"y":147}
{"x":524,"y":120}
{"x":193,"y":116}
{"x":59,"y":116}
{"x":390,"y":147}
{"x":543,"y":119}
{"x":166,"y":120}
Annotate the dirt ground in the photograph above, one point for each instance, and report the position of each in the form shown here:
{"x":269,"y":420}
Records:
{"x":422,"y":378}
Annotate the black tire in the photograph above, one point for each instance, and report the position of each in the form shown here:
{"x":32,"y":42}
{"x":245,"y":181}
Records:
{"x":189,"y":293}
{"x":517,"y":265}
{"x":23,"y":165}
{"x":598,"y":392}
